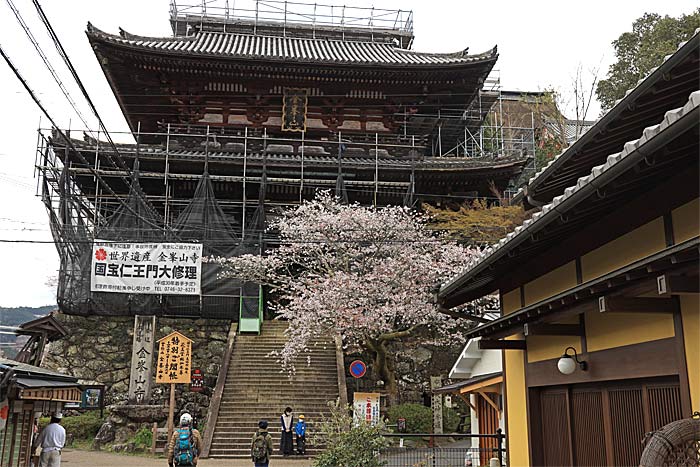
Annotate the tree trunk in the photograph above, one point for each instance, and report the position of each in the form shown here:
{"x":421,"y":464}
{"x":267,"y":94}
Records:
{"x":384,"y":368}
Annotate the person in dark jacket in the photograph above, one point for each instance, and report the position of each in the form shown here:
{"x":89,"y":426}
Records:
{"x":300,"y":430}
{"x":261,"y":446}
{"x":286,"y":440}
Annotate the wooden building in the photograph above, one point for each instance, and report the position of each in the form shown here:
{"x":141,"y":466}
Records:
{"x":600,"y":312}
{"x":478,"y":377}
{"x":29,"y":392}
{"x":237,"y":116}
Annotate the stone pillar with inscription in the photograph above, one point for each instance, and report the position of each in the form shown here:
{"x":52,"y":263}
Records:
{"x":142,"y":360}
{"x":436,"y":404}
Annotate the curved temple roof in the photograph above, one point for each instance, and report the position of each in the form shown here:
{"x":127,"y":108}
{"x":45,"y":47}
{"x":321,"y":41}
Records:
{"x":288,"y":49}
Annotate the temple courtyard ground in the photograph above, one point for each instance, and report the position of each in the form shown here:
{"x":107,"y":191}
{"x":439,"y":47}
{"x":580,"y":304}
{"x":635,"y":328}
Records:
{"x":76,"y":458}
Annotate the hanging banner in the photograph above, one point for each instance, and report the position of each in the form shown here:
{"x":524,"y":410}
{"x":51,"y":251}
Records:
{"x":366,"y":407}
{"x":146,"y":268}
{"x":174,"y":359}
{"x":142,"y":359}
{"x":294,"y":109}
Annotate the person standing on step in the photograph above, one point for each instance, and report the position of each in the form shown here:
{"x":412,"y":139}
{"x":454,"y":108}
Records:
{"x":185,"y":444}
{"x":300,"y":430}
{"x":286,"y":441}
{"x":261,"y":446}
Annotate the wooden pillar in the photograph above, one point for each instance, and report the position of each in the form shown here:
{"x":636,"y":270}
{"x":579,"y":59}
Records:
{"x":171,"y":413}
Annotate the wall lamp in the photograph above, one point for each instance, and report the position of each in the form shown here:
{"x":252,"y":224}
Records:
{"x":567,"y":363}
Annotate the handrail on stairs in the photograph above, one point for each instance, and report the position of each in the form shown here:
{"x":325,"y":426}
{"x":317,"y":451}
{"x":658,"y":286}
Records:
{"x":215,"y":404}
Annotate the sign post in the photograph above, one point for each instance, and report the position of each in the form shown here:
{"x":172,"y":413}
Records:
{"x":174,"y":367}
{"x":436,"y":403}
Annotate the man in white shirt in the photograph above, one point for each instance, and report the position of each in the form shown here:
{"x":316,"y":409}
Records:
{"x":52,"y":439}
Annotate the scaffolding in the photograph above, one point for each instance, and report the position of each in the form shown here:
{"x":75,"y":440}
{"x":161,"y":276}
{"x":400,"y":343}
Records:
{"x":490,"y":130}
{"x":292,"y":18}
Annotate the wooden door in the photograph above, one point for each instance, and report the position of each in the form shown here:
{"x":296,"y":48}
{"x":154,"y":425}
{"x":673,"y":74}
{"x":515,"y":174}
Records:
{"x":603,"y":424}
{"x":587,"y":427}
{"x":554,"y":413}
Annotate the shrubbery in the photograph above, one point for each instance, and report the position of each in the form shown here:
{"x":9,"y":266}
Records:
{"x":348,"y":445}
{"x":144,"y":438}
{"x":81,"y":427}
{"x":419,"y":418}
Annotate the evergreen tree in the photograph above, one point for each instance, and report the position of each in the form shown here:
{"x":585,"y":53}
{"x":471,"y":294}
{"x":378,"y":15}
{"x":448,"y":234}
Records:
{"x":638,"y":51}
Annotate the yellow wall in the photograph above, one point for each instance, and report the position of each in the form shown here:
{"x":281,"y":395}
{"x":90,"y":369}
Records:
{"x":686,"y":221}
{"x":516,"y":406}
{"x":608,"y":330}
{"x":555,"y":281}
{"x":547,"y":347}
{"x":637,"y":244}
{"x":690,"y":312}
{"x":511,"y":301}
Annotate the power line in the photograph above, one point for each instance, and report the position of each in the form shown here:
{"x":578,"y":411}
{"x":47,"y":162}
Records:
{"x":63,"y":135}
{"x":76,"y":77}
{"x":46,"y":61}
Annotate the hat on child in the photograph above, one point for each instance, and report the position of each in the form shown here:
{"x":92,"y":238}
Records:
{"x":301,"y":417}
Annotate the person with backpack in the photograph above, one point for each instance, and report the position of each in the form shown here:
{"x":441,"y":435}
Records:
{"x":261,"y":446}
{"x":286,"y":441}
{"x":185,"y":444}
{"x":300,"y":430}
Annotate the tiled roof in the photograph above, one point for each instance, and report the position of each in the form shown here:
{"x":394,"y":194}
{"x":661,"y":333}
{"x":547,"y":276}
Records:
{"x":531,"y":225}
{"x":288,"y":49}
{"x":331,"y":160}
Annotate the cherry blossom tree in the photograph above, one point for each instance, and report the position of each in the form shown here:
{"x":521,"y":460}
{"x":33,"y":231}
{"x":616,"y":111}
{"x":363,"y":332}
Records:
{"x":368,"y":274}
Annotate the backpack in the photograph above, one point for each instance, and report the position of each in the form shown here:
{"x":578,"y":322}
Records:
{"x":259,"y":449}
{"x":184,"y":448}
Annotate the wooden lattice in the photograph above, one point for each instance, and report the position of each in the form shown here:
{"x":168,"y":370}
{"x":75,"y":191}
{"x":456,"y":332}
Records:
{"x":675,"y":445}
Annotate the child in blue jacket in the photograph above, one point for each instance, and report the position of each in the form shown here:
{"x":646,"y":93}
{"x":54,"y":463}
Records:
{"x":300,"y":430}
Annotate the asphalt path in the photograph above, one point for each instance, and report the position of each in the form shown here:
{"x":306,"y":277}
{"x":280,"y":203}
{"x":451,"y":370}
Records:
{"x":76,"y":458}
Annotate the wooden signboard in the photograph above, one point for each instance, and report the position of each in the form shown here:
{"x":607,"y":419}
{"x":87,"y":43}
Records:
{"x":174,"y":367}
{"x":294,"y":109}
{"x":174,"y":359}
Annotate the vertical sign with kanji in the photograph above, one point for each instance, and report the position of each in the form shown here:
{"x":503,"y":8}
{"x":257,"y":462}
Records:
{"x":436,"y":404}
{"x":174,"y":367}
{"x":142,"y":359}
{"x":174,"y":359}
{"x":294,"y":104}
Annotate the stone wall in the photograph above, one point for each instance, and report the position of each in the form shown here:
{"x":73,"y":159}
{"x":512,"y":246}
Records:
{"x":414,"y":367}
{"x":99,"y":349}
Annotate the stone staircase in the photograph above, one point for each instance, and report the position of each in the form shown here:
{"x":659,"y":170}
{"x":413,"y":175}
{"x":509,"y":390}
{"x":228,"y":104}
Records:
{"x":256,"y":389}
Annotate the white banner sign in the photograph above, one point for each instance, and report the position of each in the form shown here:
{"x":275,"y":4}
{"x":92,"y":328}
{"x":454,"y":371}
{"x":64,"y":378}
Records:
{"x":366,"y":407}
{"x":146,"y":268}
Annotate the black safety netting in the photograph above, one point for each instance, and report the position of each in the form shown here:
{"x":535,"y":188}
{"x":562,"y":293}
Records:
{"x":136,"y":220}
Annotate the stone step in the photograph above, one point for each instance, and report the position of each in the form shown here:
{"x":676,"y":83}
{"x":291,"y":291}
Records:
{"x":245,"y":454}
{"x":258,"y":387}
{"x":256,"y":415}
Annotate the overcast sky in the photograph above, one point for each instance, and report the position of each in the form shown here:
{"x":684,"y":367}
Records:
{"x":541,"y":44}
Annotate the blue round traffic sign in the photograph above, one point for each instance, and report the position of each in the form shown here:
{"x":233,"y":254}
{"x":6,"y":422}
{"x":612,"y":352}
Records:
{"x":358,"y":369}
